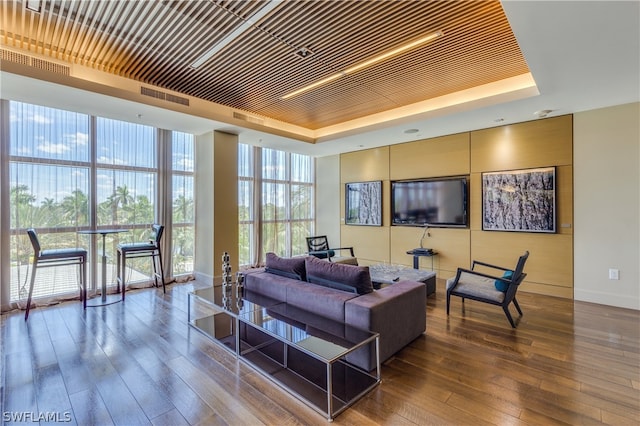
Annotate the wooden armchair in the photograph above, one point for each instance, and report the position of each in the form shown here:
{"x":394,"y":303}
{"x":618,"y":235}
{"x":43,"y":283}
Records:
{"x":496,"y":290}
{"x":319,"y":247}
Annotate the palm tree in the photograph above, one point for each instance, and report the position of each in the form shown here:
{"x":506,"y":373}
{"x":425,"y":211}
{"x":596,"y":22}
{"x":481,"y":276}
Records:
{"x":47,"y":214}
{"x":183,"y":209}
{"x":120,"y":197}
{"x":141,"y":211}
{"x":21,"y":204}
{"x":75,"y":208}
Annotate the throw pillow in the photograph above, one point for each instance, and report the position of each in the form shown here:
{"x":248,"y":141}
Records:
{"x":502,"y":285}
{"x":291,"y":267}
{"x":339,"y":275}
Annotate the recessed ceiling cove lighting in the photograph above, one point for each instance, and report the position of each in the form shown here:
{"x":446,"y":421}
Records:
{"x":368,"y":62}
{"x":248,"y":23}
{"x":410,"y":131}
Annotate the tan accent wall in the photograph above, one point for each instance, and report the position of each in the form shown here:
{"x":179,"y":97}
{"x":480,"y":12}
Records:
{"x":443,"y":156}
{"x":539,"y":143}
{"x":217,"y":205}
{"x":225,"y":200}
{"x":371,"y":243}
{"x":327,"y":178}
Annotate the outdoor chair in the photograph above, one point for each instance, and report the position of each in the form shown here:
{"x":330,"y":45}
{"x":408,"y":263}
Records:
{"x":487,"y":288}
{"x":319,"y":247}
{"x":57,"y":257}
{"x":150,"y":249}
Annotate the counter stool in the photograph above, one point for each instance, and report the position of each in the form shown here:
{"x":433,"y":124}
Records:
{"x":57,"y":257}
{"x":141,"y":249}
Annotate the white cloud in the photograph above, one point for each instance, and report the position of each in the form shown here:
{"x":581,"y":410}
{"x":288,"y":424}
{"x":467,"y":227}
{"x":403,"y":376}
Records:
{"x":104,"y":177}
{"x":40,"y":119}
{"x":114,"y":161}
{"x":79,"y":138}
{"x":53,"y":148}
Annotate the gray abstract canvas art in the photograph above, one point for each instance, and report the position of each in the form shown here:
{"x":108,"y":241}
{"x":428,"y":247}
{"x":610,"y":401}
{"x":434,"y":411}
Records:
{"x":363,"y":203}
{"x":519,"y":200}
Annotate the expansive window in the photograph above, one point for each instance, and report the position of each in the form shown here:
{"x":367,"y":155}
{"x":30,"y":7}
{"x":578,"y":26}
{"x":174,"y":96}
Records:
{"x":70,"y":171}
{"x":49,"y":178}
{"x":275,"y":196}
{"x":183,"y":218}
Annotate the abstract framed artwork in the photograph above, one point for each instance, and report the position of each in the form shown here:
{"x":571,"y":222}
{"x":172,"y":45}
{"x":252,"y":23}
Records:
{"x":519,"y":200}
{"x":363,"y":203}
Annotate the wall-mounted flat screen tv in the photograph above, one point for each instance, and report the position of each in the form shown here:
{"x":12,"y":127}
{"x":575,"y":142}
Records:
{"x":433,"y":202}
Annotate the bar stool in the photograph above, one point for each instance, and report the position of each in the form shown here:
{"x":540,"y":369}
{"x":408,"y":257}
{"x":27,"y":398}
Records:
{"x":141,"y":249}
{"x":56,"y":257}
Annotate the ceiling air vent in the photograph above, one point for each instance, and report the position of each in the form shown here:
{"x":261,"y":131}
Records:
{"x":19,"y":58}
{"x":248,"y":118}
{"x":146,"y":91}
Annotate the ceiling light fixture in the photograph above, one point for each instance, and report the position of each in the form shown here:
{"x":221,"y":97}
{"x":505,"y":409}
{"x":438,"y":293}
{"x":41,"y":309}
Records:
{"x":303,"y":52}
{"x":251,"y":21}
{"x":543,"y":113}
{"x":369,"y":62}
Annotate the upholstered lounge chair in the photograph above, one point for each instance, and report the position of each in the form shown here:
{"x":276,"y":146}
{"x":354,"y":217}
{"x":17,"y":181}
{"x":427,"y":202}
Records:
{"x":482,"y":287}
{"x":319,"y":247}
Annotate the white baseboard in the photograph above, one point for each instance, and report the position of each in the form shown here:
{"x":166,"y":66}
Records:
{"x":622,"y":301}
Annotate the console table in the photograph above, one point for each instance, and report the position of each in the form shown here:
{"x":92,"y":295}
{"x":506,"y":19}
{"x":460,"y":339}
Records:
{"x":416,"y":253}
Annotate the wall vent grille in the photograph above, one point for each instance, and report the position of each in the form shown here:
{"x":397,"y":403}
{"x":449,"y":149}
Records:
{"x":19,"y":58}
{"x":247,"y":118}
{"x":146,"y":91}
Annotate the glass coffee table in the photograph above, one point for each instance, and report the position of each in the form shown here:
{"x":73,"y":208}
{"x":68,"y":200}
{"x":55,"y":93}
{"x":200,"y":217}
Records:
{"x":214,"y":312}
{"x":308,"y":355}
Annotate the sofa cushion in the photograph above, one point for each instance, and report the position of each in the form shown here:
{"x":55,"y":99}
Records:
{"x":290,"y":267}
{"x":270,"y":285}
{"x":320,"y":300}
{"x":338,"y":275}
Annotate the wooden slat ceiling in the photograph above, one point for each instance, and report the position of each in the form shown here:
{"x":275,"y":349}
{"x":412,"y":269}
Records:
{"x":155,"y":42}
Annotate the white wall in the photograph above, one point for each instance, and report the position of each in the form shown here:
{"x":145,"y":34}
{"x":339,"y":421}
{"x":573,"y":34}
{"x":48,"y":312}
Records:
{"x":328,"y":198}
{"x":607,"y":205}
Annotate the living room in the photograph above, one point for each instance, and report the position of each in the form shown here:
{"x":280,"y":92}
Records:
{"x":593,"y":147}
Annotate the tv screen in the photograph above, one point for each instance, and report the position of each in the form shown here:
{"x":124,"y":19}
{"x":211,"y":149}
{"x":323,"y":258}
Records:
{"x":434,"y":202}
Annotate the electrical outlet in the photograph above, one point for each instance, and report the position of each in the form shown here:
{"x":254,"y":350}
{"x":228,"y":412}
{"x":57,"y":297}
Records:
{"x":614,"y":274}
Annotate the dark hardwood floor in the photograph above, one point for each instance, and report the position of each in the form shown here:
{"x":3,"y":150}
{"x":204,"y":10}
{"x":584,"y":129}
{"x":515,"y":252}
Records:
{"x":139,"y":363}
